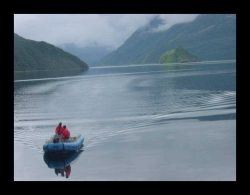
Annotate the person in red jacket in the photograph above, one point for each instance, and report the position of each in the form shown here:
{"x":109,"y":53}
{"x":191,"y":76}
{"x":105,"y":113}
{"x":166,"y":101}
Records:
{"x":65,"y":133}
{"x":58,"y":133}
{"x":59,"y":129}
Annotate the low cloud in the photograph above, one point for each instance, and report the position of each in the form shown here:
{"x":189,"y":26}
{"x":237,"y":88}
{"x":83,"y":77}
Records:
{"x":172,"y":19}
{"x":109,"y":30}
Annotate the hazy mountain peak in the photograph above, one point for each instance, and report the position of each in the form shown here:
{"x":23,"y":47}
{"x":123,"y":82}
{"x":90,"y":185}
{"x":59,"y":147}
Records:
{"x":208,"y":36}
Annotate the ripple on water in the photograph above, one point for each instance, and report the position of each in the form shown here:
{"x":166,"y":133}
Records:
{"x":144,"y":101}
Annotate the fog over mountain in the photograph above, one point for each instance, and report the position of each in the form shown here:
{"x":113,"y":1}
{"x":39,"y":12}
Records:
{"x":88,"y":30}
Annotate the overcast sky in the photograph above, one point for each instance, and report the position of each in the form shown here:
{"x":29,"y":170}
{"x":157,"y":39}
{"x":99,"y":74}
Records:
{"x":88,"y":29}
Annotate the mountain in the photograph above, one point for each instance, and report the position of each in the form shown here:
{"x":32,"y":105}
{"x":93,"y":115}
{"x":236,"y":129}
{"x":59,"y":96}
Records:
{"x":41,"y":59}
{"x":209,"y":37}
{"x":91,"y":54}
{"x":177,"y":55}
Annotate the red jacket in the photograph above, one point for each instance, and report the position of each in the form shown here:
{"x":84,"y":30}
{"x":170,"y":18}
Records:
{"x":65,"y":133}
{"x":59,"y":130}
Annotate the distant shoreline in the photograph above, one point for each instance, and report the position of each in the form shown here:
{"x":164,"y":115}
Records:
{"x":162,"y":64}
{"x":80,"y":75}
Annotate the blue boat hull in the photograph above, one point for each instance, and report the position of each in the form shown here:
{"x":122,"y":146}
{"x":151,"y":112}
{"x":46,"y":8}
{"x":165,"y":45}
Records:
{"x":64,"y":146}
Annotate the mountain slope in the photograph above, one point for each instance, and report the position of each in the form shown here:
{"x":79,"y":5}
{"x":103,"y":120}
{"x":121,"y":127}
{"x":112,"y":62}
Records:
{"x":209,"y":37}
{"x":33,"y":56}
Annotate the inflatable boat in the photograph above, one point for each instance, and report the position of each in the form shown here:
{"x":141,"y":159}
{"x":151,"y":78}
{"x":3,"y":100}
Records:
{"x":74,"y":144}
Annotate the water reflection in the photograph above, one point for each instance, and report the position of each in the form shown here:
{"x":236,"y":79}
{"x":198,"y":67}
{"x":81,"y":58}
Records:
{"x":66,"y":169}
{"x":61,"y":162}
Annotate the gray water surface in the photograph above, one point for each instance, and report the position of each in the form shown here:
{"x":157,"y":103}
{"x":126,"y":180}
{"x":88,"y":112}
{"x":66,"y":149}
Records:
{"x":139,"y":123}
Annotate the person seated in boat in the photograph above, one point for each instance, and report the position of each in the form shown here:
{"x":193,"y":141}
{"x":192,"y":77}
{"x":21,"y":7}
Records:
{"x":58,"y":133}
{"x":58,"y":129}
{"x":65,"y":133}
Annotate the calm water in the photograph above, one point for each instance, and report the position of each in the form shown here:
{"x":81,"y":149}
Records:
{"x":147,"y":122}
